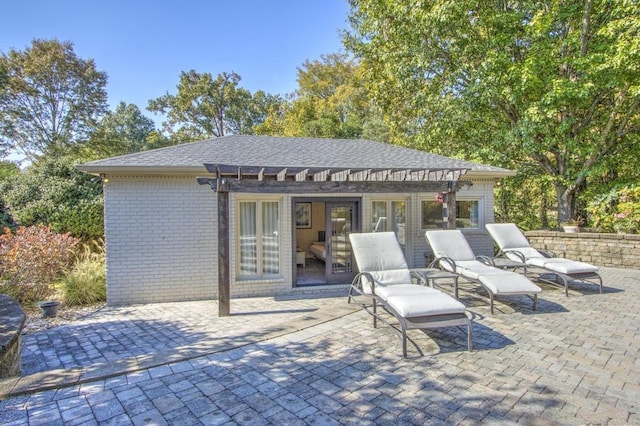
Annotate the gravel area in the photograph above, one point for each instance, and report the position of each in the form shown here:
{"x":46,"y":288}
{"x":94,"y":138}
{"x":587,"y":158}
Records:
{"x":66,"y":314}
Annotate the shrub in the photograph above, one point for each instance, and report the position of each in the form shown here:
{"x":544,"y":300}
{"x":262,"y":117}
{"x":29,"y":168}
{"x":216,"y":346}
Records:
{"x":53,"y":192}
{"x":85,"y":282}
{"x":31,"y":259}
{"x":8,"y":172}
{"x":617,"y":210}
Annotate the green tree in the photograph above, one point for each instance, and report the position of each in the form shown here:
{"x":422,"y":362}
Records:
{"x":330,"y":101}
{"x":124,"y":131}
{"x":8,"y":172}
{"x":51,"y":191}
{"x":205,"y":107}
{"x":51,"y":98}
{"x":4,"y":79}
{"x":256,"y":112}
{"x":550,"y":87}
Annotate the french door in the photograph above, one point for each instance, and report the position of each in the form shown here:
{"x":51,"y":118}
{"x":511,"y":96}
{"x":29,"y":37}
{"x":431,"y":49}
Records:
{"x":341,"y":218}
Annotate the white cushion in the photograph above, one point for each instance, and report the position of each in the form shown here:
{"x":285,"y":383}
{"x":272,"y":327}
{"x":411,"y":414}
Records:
{"x":450,"y":243}
{"x":380,"y":255}
{"x":392,"y":276}
{"x":497,"y":280}
{"x":378,"y":251}
{"x":474,"y":268}
{"x":528,"y":253}
{"x":430,"y":302}
{"x":563,"y":266}
{"x":386,"y":291}
{"x":507,"y":235}
{"x":509,"y":282}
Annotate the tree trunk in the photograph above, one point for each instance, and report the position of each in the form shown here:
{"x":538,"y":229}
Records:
{"x":544,"y":206}
{"x":503,"y":209}
{"x":566,"y":202}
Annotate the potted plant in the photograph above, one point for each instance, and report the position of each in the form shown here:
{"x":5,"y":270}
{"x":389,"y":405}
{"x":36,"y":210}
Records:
{"x":572,"y":225}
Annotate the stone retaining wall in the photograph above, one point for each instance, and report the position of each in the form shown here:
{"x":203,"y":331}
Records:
{"x":12,"y":319}
{"x":616,"y":250}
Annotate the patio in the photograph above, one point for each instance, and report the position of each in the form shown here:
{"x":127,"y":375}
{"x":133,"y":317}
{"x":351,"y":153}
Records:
{"x":307,"y":360}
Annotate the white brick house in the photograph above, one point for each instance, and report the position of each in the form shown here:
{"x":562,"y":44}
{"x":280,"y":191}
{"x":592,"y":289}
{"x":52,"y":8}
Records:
{"x":161,"y":224}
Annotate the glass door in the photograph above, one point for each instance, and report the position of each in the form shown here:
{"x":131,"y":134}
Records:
{"x":341,"y":219}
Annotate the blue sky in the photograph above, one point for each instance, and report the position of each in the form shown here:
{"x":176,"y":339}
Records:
{"x":143,"y":45}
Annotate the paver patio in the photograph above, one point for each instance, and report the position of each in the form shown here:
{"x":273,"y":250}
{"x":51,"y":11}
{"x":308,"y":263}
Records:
{"x":305,"y":360}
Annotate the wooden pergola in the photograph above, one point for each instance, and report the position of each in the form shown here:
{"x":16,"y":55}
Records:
{"x":225,"y":179}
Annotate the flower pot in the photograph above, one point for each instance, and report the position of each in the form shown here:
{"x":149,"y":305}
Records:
{"x":49,"y":308}
{"x":572,"y":229}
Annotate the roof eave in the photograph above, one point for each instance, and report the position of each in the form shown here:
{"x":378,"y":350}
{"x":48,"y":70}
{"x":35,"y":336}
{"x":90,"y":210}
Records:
{"x":142,"y":170}
{"x":490,"y":174}
{"x":201,"y":170}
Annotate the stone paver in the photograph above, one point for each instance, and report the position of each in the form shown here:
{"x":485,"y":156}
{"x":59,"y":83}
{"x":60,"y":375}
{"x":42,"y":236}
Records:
{"x":575,"y":360}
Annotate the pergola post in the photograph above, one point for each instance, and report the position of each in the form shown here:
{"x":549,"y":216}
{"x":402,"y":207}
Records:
{"x":224,"y":285}
{"x":451,"y":205}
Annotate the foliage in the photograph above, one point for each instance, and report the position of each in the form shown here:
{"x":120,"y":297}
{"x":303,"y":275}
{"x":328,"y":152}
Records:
{"x":8,"y":172}
{"x":51,"y":98}
{"x":550,"y":87}
{"x":85,"y":282}
{"x":330,"y":102}
{"x":4,"y":80}
{"x":205,"y":107}
{"x":617,"y":210}
{"x":31,"y":259}
{"x":124,"y":131}
{"x":53,"y":192}
{"x":525,"y":201}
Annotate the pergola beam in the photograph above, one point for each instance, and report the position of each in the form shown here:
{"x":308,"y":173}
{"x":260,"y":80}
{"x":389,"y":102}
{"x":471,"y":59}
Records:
{"x":343,"y":187}
{"x":301,"y":174}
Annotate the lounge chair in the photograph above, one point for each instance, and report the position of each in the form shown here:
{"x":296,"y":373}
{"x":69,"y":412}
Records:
{"x":453,"y":253}
{"x":385,"y":279}
{"x":514,"y":245}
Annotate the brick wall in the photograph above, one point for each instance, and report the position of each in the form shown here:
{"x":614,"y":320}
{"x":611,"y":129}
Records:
{"x":161,"y":240}
{"x":616,"y":250}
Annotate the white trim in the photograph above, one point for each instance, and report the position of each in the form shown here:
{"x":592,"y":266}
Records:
{"x":240,"y":279}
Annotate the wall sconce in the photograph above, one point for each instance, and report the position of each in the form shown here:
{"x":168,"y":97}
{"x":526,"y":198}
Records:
{"x":104,"y":178}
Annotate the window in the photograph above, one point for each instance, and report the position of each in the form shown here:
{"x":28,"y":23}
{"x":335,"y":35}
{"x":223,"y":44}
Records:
{"x":390,"y":215}
{"x":467,"y":214}
{"x":259,"y":241}
{"x":379,"y":218}
{"x":431,"y":215}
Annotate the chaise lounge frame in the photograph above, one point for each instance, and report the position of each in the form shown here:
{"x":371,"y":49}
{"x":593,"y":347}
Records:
{"x":365,"y":290}
{"x":452,"y":253}
{"x":526,"y":254}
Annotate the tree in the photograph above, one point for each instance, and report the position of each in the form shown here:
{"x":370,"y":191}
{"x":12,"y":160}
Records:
{"x":8,"y":172}
{"x":257,"y":111}
{"x":124,"y":131}
{"x":205,"y":107}
{"x":551,"y":87}
{"x":330,"y":102}
{"x":51,"y":191}
{"x":4,"y":79}
{"x":51,"y":98}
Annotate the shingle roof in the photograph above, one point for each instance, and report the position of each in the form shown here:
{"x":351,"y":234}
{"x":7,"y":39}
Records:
{"x":245,"y":150}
